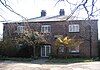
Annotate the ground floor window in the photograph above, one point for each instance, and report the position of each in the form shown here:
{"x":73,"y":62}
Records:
{"x":74,"y":49}
{"x":61,"y":49}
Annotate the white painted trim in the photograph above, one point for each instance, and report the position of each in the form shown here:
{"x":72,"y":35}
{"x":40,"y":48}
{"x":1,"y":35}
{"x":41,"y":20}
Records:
{"x":45,"y":48}
{"x":41,"y":51}
{"x":44,"y":30}
{"x":74,"y":28}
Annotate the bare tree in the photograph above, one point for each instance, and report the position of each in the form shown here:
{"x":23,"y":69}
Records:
{"x":8,"y":7}
{"x":88,"y":5}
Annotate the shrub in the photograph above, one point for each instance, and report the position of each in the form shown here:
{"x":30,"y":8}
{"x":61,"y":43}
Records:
{"x":98,"y":44}
{"x":24,"y":51}
{"x":7,"y":48}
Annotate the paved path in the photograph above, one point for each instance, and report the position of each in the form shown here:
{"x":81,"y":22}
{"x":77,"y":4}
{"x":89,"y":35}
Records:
{"x":38,"y":65}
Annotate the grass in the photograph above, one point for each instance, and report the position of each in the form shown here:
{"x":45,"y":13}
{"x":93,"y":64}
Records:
{"x":72,"y":60}
{"x":53,"y":60}
{"x":17,"y":59}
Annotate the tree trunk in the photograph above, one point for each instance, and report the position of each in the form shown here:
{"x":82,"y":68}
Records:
{"x":57,"y":52}
{"x":66,"y":52}
{"x":34,"y":51}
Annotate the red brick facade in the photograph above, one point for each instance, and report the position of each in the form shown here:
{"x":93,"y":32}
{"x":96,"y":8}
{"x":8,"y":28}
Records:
{"x":88,"y":33}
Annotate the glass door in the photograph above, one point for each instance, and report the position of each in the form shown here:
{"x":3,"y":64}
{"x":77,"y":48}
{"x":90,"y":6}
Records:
{"x":45,"y":50}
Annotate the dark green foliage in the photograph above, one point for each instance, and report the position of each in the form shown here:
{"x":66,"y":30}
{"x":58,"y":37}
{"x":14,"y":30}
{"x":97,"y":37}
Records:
{"x":11,"y":49}
{"x":25,"y":45}
{"x":98,"y":48}
{"x":71,"y":60}
{"x":7,"y":48}
{"x":24,"y":51}
{"x":98,"y":42}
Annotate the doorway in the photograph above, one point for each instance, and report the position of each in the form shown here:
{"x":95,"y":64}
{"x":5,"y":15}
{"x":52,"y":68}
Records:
{"x":45,"y":50}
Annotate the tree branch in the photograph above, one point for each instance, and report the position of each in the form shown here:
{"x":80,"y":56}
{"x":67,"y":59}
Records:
{"x":3,"y":18}
{"x":10,"y":9}
{"x":70,"y":3}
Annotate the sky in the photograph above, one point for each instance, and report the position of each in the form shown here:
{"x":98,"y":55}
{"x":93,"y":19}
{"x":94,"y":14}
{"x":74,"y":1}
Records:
{"x":32,"y":8}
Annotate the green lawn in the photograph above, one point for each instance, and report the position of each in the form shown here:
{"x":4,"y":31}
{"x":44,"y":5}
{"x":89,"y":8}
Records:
{"x":73,"y":60}
{"x":17,"y":59}
{"x":55,"y":60}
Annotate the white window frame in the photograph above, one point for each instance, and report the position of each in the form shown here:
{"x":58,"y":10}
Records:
{"x":20,"y":29}
{"x":74,"y":28}
{"x":45,"y":48}
{"x":76,"y":50}
{"x":61,"y":49}
{"x":45,"y":28}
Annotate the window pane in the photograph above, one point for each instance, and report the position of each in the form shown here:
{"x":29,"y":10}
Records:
{"x":61,"y":49}
{"x":47,"y":50}
{"x":41,"y":29}
{"x":77,"y":28}
{"x":20,"y":29}
{"x":49,"y":29}
{"x":74,"y":49}
{"x":70,"y":28}
{"x":43,"y":50}
{"x":45,"y":28}
{"x":74,"y":28}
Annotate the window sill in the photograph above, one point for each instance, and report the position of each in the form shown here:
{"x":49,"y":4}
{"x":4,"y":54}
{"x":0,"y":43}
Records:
{"x":74,"y":32}
{"x":73,"y":52}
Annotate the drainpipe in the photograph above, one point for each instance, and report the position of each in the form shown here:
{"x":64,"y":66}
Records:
{"x":90,"y":41}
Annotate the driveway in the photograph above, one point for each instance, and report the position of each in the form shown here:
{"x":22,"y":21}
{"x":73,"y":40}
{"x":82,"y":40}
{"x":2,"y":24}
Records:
{"x":43,"y":65}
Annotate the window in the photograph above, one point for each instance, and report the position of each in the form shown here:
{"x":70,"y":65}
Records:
{"x":74,"y":28}
{"x":46,"y":28}
{"x":45,"y":50}
{"x":19,"y":46}
{"x":74,"y":50}
{"x":61,"y":48}
{"x":20,"y":29}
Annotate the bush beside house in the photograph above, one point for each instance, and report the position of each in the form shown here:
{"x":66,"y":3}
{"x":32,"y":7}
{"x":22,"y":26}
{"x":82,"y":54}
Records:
{"x":63,"y":45}
{"x":22,"y":46}
{"x":99,"y":48}
{"x":7,"y":48}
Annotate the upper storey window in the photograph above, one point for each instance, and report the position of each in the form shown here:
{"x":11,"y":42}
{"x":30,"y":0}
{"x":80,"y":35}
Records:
{"x":74,"y":28}
{"x":46,"y":28}
{"x":20,"y":29}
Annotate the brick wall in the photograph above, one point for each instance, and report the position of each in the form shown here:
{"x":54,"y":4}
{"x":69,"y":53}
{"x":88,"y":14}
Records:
{"x":61,"y":28}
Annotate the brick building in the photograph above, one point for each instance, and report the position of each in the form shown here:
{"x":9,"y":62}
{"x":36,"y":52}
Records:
{"x":58,"y":26}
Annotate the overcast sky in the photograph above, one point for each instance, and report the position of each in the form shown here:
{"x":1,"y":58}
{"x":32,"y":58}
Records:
{"x":32,"y":8}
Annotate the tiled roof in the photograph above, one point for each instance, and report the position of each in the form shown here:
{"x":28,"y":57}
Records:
{"x":49,"y":19}
{"x":53,"y":18}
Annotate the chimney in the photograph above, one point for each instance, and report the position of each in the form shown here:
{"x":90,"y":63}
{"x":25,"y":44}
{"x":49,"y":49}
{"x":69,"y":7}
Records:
{"x":43,"y":13}
{"x":61,"y":12}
